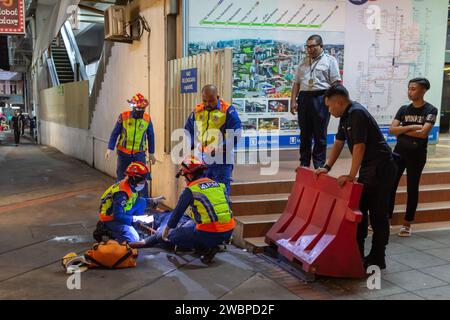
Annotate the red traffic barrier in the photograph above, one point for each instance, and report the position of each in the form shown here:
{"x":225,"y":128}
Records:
{"x":318,"y":227}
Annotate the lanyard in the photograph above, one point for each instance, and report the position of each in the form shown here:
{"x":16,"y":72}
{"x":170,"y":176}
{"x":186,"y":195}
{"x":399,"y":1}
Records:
{"x":311,"y":67}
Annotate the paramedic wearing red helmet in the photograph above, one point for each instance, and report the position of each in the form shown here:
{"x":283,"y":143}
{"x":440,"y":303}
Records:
{"x":133,"y":136}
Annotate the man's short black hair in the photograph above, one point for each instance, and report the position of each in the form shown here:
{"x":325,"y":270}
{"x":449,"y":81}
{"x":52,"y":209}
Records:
{"x":421,"y":81}
{"x":337,"y":90}
{"x":317,"y":38}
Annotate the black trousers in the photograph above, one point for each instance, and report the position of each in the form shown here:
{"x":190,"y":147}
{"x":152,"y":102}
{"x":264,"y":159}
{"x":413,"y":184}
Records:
{"x":378,"y":183}
{"x":313,"y":119}
{"x":16,"y":136}
{"x":413,"y":162}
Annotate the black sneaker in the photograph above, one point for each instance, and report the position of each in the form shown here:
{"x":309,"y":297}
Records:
{"x":209,"y":256}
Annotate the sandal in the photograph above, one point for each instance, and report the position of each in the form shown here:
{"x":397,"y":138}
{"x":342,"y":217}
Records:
{"x":405,"y":232}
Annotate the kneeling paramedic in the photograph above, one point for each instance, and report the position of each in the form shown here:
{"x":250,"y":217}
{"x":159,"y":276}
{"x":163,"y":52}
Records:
{"x":213,"y":221}
{"x":121,"y":204}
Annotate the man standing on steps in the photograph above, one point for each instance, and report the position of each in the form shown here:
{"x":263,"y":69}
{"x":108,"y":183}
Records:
{"x":316,"y":73}
{"x":134,"y":129}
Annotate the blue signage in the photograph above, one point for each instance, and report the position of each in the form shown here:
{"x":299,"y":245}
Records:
{"x":189,"y":81}
{"x":293,"y":141}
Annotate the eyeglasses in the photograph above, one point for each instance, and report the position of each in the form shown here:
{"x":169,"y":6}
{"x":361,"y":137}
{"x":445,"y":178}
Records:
{"x":311,"y":46}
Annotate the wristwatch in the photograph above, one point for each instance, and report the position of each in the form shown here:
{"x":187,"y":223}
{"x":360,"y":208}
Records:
{"x":327,"y":167}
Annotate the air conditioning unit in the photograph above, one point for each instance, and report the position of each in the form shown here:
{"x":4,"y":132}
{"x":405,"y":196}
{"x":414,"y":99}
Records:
{"x":116,"y":20}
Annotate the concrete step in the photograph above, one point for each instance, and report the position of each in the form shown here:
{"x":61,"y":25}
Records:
{"x":272,"y":203}
{"x":255,"y":226}
{"x":426,"y":212}
{"x":431,"y":177}
{"x":252,"y":226}
{"x":258,"y":224}
{"x":255,"y":245}
{"x":285,"y":186}
{"x":264,"y":187}
{"x":259,"y":204}
{"x":427,"y":193}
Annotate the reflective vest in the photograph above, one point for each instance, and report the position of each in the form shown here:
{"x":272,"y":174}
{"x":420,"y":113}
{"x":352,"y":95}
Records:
{"x":210,"y":210}
{"x":209,"y":123}
{"x":133,"y":137}
{"x":106,"y":207}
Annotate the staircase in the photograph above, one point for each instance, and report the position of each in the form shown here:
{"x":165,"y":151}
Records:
{"x":257,"y":206}
{"x":99,"y":77}
{"x":62,"y":62}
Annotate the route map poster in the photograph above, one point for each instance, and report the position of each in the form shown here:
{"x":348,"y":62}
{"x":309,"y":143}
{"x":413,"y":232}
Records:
{"x":268,"y":39}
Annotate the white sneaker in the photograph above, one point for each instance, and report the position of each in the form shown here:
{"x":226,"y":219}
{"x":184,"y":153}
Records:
{"x":405,"y":232}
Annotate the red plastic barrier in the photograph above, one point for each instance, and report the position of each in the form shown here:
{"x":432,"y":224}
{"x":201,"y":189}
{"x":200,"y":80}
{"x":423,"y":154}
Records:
{"x":318,"y":227}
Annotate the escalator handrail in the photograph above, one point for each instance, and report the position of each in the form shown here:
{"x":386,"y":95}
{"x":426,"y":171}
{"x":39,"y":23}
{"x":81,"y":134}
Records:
{"x":72,"y":50}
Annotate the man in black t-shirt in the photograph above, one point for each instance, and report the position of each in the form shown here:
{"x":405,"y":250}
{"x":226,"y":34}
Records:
{"x":372,"y":158}
{"x":412,"y":126}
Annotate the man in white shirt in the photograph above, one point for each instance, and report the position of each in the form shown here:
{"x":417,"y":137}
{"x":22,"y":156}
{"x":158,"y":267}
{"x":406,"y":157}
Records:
{"x":316,"y":73}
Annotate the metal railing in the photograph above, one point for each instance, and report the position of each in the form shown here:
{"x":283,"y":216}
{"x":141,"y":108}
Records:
{"x":214,"y":67}
{"x":51,"y":69}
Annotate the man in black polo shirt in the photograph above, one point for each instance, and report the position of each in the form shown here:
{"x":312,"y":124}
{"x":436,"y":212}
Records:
{"x":372,"y":158}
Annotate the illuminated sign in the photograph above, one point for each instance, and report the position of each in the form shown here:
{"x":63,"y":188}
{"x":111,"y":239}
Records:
{"x":12,"y":17}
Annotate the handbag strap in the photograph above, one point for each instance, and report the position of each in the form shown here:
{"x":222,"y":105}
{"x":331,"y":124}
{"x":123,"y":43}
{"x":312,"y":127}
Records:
{"x":121,"y":260}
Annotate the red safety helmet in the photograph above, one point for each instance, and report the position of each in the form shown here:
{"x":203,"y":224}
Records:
{"x":191,"y":165}
{"x":138,"y":101}
{"x":137,"y":169}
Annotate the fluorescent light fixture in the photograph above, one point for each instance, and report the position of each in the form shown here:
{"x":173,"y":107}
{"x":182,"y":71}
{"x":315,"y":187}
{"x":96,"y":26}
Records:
{"x":15,"y":108}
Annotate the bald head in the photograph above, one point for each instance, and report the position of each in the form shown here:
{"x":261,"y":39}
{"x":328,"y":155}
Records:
{"x":210,"y":96}
{"x":210,"y":88}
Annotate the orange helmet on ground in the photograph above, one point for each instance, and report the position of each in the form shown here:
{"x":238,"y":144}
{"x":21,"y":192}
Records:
{"x":138,"y":101}
{"x":191,"y":165}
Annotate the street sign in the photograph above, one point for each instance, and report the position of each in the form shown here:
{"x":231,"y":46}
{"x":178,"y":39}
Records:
{"x":189,"y":81}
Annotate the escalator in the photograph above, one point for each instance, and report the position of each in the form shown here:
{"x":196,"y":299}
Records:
{"x":64,"y":60}
{"x":61,"y":62}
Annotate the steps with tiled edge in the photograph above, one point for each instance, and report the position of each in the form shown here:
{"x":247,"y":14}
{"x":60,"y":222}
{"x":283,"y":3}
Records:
{"x":427,"y":193}
{"x":253,"y":188}
{"x":259,"y":205}
{"x":252,"y":227}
